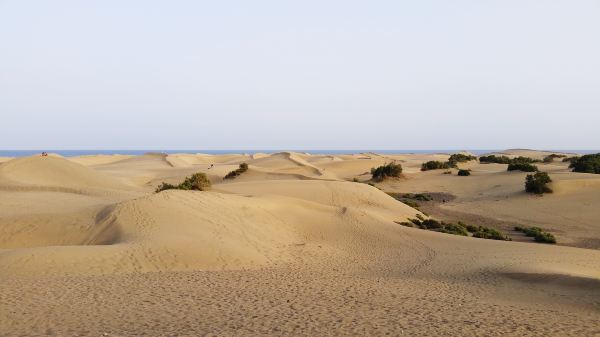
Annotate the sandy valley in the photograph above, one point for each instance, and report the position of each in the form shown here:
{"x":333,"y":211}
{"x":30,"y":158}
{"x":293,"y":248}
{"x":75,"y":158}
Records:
{"x":299,"y":244}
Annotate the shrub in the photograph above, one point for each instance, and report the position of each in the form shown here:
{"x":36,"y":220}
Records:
{"x":436,"y":165}
{"x":455,"y":229}
{"x":590,"y":163}
{"x":165,"y":186}
{"x":472,"y":228}
{"x":532,"y":231}
{"x":388,"y":170}
{"x":545,"y":237}
{"x":550,"y":158}
{"x":495,"y":159}
{"x":489,"y":233}
{"x":522,"y":166}
{"x":432,"y":224}
{"x":464,"y":173}
{"x":461,"y":158}
{"x":355,"y":179}
{"x":231,"y":175}
{"x":197,"y":182}
{"x":538,"y":234}
{"x":416,"y":222}
{"x":537,"y":183}
{"x":405,"y":223}
{"x":521,"y":159}
{"x":570,"y":159}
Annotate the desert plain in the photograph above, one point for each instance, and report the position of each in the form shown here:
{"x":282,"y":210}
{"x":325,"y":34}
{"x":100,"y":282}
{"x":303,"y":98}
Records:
{"x":298,"y":245}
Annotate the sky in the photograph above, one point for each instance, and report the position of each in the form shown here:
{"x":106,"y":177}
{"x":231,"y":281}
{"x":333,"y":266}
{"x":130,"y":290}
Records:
{"x":490,"y":74}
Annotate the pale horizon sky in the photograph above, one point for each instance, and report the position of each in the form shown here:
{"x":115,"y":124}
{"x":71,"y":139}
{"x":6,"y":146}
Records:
{"x":299,"y":75}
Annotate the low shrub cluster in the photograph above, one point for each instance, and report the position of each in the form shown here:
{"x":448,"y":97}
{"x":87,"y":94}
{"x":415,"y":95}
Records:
{"x":589,"y":163}
{"x":506,"y":160}
{"x":537,"y":233}
{"x":455,"y":228}
{"x":521,"y":166}
{"x":538,"y":183}
{"x":570,"y":159}
{"x":385,"y":171}
{"x":550,"y":158}
{"x":197,"y":182}
{"x":436,"y":165}
{"x":231,"y":175}
{"x":461,"y":158}
{"x":489,"y":233}
{"x":494,"y":159}
{"x":464,"y":173}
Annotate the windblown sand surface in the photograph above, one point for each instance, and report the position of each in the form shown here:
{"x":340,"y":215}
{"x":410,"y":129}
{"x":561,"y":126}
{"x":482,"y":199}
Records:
{"x":290,"y":247}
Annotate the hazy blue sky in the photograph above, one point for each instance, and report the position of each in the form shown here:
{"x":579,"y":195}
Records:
{"x":299,"y":74}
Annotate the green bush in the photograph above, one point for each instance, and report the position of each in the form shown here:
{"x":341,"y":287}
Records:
{"x":538,"y":234}
{"x":545,"y":237}
{"x":521,"y":159}
{"x":455,"y":229}
{"x":532,"y":231}
{"x":464,"y":173}
{"x":197,"y":182}
{"x":432,"y":224}
{"x":506,"y":160}
{"x":495,"y":159}
{"x":472,"y":228}
{"x":590,"y":163}
{"x":165,"y":186}
{"x":489,"y":233}
{"x":550,"y":158}
{"x":385,"y":171}
{"x":417,"y":222}
{"x":461,"y":158}
{"x":522,"y":166}
{"x":231,"y":175}
{"x":436,"y":165}
{"x":537,"y":183}
{"x":570,"y":159}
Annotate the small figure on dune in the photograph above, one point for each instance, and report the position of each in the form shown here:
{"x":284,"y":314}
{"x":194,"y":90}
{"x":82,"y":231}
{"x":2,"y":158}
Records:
{"x":44,"y":154}
{"x":211,"y":166}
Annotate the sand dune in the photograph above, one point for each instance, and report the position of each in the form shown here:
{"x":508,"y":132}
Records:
{"x":290,"y":247}
{"x":52,"y":173}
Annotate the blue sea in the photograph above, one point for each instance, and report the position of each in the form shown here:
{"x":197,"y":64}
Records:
{"x":72,"y":153}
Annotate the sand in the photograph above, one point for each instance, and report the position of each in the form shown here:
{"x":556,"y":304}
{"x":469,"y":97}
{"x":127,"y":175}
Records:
{"x":290,"y":247}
